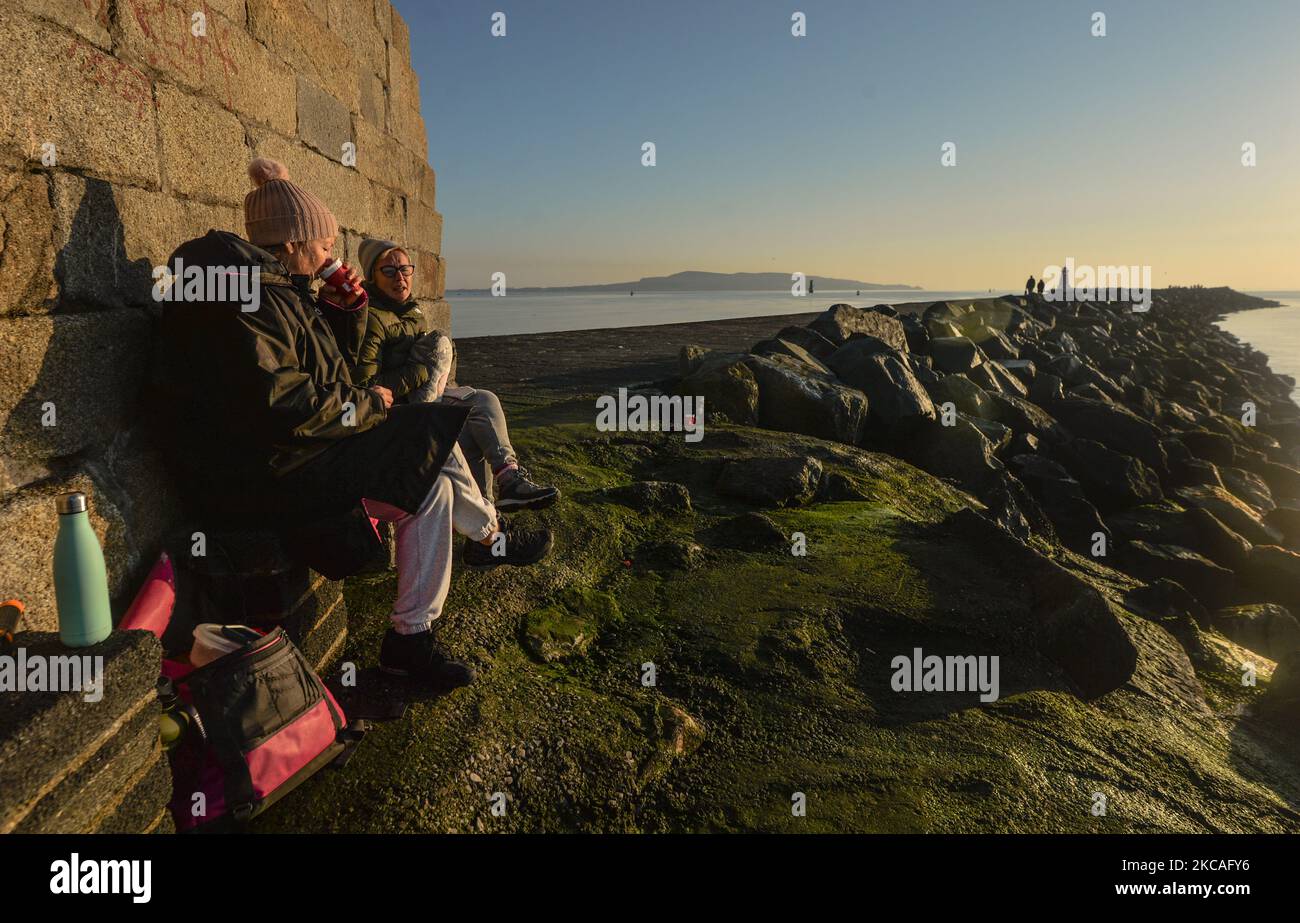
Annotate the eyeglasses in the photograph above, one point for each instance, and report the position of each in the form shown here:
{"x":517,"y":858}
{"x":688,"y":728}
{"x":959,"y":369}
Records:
{"x":392,"y":271}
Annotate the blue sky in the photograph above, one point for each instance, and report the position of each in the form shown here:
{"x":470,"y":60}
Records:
{"x":822,"y":154}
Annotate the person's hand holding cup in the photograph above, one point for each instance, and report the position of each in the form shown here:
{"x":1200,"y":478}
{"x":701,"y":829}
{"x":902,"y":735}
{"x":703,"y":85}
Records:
{"x":342,"y":283}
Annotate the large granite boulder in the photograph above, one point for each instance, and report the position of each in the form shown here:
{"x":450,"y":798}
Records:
{"x":1273,"y":574}
{"x":963,"y":394}
{"x":1062,"y":499}
{"x":1112,"y":426}
{"x":1045,"y":387}
{"x":812,"y":341}
{"x":1213,"y":447}
{"x":894,"y":396}
{"x":1112,"y":480}
{"x":1213,"y":585}
{"x":840,"y":321}
{"x":727,"y":386}
{"x":849,"y":360}
{"x":1024,"y":369}
{"x":1283,"y":480}
{"x":1022,"y":416}
{"x":959,"y":452}
{"x":1249,"y":487}
{"x":1265,"y":628}
{"x":918,"y":337}
{"x":954,"y":355}
{"x":781,"y":347}
{"x":794,"y":402}
{"x":1286,"y":519}
{"x":994,"y":377}
{"x":1232,"y":512}
{"x":997,"y":346}
{"x":1215,"y":540}
{"x":997,"y":434}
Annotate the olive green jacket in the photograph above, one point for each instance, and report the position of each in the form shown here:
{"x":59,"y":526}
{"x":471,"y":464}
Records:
{"x":384,"y":357}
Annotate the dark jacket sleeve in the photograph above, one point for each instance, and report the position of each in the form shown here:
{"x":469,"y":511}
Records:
{"x":349,"y":327}
{"x":370,"y":352}
{"x":290,"y":407}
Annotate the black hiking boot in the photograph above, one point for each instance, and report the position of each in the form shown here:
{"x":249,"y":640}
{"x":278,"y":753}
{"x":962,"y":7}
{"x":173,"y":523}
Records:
{"x":517,"y":547}
{"x":419,"y":656}
{"x":516,"y":491}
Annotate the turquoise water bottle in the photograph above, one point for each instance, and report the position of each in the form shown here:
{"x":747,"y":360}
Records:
{"x":80,"y":580}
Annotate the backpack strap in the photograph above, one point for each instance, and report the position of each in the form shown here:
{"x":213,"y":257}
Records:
{"x":236,"y":780}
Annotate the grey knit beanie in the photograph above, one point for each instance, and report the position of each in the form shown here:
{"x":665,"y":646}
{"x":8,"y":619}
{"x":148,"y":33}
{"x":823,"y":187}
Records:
{"x":371,"y":249}
{"x":278,"y":211}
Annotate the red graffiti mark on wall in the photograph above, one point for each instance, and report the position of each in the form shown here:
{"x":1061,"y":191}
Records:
{"x":98,"y":9}
{"x":168,"y":27}
{"x":111,"y":74}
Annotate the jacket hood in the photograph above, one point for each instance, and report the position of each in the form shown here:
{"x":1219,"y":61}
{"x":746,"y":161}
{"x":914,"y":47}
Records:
{"x":222,"y":248}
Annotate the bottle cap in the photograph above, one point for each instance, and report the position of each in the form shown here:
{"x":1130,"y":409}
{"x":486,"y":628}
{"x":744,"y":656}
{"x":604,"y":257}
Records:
{"x":74,"y":502}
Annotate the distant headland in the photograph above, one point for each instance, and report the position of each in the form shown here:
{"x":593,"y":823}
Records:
{"x":692,"y":281}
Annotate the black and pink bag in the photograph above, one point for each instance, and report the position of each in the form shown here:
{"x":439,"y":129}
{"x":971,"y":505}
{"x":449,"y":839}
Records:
{"x":262,"y":720}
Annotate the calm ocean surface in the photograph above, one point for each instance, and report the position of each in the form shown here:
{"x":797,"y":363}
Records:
{"x":484,"y":315}
{"x":1273,"y":331}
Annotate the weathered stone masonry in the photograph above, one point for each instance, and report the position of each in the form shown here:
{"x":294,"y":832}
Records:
{"x":152,"y":128}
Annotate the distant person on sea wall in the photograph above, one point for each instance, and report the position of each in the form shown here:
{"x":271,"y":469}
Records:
{"x":1040,"y":288}
{"x":399,"y":351}
{"x":267,"y":428}
{"x":1029,"y":286}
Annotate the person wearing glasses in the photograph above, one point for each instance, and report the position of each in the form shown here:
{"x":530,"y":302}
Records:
{"x":400,"y":351}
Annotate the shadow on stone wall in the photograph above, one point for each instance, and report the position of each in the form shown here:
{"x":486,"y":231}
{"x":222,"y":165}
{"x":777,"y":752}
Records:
{"x":84,"y":421}
{"x":92,"y":268}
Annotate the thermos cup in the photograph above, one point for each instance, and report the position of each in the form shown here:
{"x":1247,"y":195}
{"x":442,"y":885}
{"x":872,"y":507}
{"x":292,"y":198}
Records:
{"x":335,"y":274}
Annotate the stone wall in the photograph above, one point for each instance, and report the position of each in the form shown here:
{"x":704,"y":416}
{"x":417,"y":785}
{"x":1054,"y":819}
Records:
{"x":150,"y":128}
{"x":68,"y":765}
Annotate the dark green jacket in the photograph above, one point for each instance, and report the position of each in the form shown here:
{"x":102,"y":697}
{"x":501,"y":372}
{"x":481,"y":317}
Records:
{"x":384,"y":356}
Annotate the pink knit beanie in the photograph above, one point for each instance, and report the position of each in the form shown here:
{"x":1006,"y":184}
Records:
{"x":278,"y":211}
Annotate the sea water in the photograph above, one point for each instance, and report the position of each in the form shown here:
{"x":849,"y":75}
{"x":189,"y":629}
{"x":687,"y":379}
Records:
{"x":1273,"y":331}
{"x":481,"y":315}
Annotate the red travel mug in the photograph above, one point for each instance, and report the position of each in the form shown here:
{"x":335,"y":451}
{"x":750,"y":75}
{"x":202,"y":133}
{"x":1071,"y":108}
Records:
{"x":335,"y":274}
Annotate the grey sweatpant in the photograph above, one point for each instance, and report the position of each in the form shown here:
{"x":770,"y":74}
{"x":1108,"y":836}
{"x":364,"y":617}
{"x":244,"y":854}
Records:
{"x":424,"y":542}
{"x":485,"y":439}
